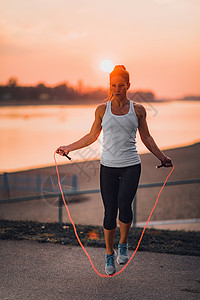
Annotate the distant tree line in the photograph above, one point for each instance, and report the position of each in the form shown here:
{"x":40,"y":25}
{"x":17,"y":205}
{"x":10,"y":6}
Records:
{"x":61,"y":93}
{"x":194,"y":98}
{"x":12,"y":91}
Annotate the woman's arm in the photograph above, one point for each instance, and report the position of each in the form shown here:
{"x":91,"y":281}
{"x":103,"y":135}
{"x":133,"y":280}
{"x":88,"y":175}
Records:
{"x":89,"y":138}
{"x":148,"y":140}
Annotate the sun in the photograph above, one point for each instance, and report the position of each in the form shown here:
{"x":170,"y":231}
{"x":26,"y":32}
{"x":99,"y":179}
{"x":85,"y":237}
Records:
{"x":107,"y":65}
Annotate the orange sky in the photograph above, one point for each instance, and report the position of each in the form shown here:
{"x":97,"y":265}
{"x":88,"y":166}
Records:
{"x":54,"y":41}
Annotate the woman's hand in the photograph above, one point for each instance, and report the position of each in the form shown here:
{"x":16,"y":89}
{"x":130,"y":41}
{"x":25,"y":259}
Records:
{"x":62,"y":150}
{"x":167,"y":162}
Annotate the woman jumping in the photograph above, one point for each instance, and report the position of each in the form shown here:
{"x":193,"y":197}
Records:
{"x":120,"y":164}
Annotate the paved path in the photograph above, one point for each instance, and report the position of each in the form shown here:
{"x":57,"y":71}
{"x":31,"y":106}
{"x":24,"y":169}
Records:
{"x":31,"y":270}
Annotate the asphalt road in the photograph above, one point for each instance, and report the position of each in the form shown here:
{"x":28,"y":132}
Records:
{"x":32,"y":270}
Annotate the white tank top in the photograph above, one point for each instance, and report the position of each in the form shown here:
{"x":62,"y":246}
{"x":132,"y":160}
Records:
{"x":119,"y":132}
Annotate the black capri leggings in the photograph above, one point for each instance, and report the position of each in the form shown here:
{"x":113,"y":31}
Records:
{"x":118,"y":188}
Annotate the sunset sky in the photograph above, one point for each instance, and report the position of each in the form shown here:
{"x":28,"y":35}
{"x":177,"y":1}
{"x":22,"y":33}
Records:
{"x":54,"y":41}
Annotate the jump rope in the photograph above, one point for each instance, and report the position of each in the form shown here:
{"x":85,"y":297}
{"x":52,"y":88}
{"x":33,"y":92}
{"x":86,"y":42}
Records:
{"x":75,"y":231}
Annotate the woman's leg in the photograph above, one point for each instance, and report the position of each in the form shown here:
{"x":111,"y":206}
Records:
{"x":124,"y":231}
{"x":109,"y":184}
{"x":109,"y":240}
{"x":127,"y":189}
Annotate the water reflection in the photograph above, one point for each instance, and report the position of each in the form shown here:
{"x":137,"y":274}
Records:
{"x":30,"y":135}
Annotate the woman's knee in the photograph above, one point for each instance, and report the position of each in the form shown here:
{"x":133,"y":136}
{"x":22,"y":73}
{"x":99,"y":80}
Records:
{"x":109,"y":224}
{"x":110,"y":217}
{"x":125,"y":214}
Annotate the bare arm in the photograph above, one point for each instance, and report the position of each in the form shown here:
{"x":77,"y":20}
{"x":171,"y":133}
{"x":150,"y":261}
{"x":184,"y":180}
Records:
{"x":148,"y":140}
{"x":88,"y":139}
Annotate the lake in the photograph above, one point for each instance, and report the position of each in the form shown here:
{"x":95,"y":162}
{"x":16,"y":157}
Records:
{"x":30,"y":134}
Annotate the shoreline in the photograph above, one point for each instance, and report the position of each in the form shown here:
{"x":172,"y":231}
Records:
{"x":42,"y":167}
{"x":14,"y":103}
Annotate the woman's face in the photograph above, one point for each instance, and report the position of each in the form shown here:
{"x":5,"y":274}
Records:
{"x":118,"y":87}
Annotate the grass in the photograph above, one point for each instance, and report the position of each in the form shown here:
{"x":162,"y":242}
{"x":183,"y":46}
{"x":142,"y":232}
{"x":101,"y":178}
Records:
{"x":161,"y":241}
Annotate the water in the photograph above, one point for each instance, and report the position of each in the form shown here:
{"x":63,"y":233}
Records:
{"x":30,"y":134}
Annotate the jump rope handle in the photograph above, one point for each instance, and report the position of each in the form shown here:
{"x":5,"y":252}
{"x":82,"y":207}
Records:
{"x":163,"y":163}
{"x":67,"y":156}
{"x":157,"y":167}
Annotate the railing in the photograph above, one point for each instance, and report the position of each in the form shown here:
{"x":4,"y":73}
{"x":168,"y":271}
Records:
{"x":29,"y":182}
{"x":74,"y":191}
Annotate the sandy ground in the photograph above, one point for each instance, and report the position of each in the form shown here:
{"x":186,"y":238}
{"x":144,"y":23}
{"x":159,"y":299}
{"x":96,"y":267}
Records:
{"x":176,"y":202}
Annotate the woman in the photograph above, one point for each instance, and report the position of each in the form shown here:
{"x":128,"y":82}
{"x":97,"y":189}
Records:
{"x":120,"y":164}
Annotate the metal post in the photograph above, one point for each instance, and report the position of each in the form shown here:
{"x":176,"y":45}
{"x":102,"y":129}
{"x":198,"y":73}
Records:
{"x":38,"y":183}
{"x":6,"y":191}
{"x":134,"y":210}
{"x":60,"y":203}
{"x":74,"y":182}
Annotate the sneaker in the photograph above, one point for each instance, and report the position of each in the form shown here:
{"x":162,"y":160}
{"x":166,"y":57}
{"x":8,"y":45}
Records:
{"x":123,"y":256}
{"x":110,"y":264}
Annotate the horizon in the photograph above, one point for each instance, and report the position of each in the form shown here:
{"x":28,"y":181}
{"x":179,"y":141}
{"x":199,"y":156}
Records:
{"x":88,"y":89}
{"x":157,"y":41}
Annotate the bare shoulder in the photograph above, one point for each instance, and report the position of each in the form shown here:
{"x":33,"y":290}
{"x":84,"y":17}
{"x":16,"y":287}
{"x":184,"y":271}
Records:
{"x":139,"y":110}
{"x":100,"y":110}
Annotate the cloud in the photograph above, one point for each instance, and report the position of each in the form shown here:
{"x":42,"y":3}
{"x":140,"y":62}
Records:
{"x":18,"y":38}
